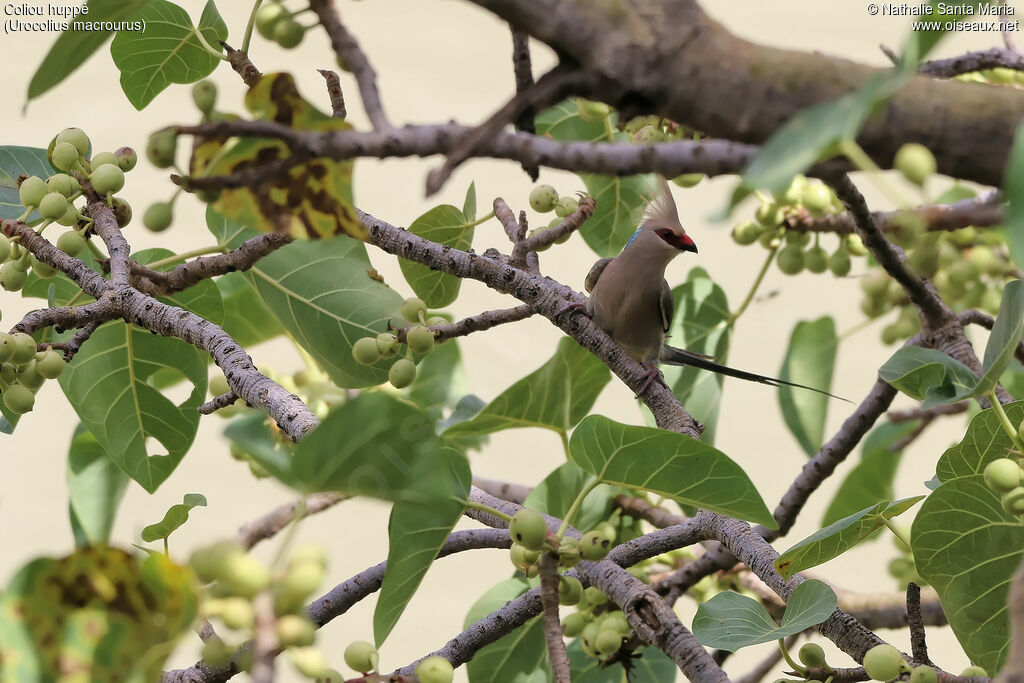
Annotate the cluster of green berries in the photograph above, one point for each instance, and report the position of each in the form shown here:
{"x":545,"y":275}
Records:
{"x":545,"y":199}
{"x":275,"y":22}
{"x":1006,"y":479}
{"x":419,"y":340}
{"x":885,"y":663}
{"x":236,"y":578}
{"x":363,"y":657}
{"x":23,"y":370}
{"x":798,"y":249}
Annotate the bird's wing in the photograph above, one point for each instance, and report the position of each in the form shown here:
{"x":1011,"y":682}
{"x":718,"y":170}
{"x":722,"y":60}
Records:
{"x":667,"y":304}
{"x":674,"y":356}
{"x":595,"y":274}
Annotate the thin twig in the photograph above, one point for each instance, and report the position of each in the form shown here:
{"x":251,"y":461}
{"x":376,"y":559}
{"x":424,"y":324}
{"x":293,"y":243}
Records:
{"x":523,"y":69}
{"x":335,"y":94}
{"x":242,"y":65}
{"x":217,"y":403}
{"x":918,"y":644}
{"x":545,"y":238}
{"x":275,"y":520}
{"x":552,"y":626}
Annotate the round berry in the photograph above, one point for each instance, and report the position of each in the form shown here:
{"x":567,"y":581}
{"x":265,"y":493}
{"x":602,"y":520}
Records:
{"x":768,"y":215}
{"x":70,"y":216}
{"x":688,"y":179}
{"x":570,"y":590}
{"x":420,"y":339}
{"x":923,"y":674}
{"x":158,"y":216}
{"x":107,"y":178}
{"x":204,"y":94}
{"x":591,"y":112}
{"x":855,"y":245}
{"x":607,"y":642}
{"x":402,"y":373}
{"x":76,"y":137}
{"x":161,"y":147}
{"x":595,"y":546}
{"x":6,"y":347}
{"x":288,"y":33}
{"x":12,"y":278}
{"x":365,"y":351}
{"x":308,"y":660}
{"x":53,"y":206}
{"x":915,"y":162}
{"x":122,"y":212}
{"x":8,"y":373}
{"x":43,"y":270}
{"x":569,"y":553}
{"x":973,"y":671}
{"x":1013,"y":501}
{"x":528,"y":528}
{"x":244,"y":575}
{"x":51,"y":365}
{"x":812,"y":655}
{"x":209,"y":562}
{"x":1002,"y":475}
{"x":65,"y":156}
{"x":566,"y":206}
{"x":267,"y":18}
{"x":435,"y":670}
{"x":18,"y":399}
{"x":301,"y":579}
{"x":5,"y":248}
{"x":412,"y":308}
{"x":839,"y":262}
{"x":649,"y":135}
{"x":237,"y":613}
{"x":101,"y":158}
{"x":32,"y":190}
{"x":64,"y":184}
{"x":293,"y":630}
{"x":216,"y":653}
{"x":816,"y":198}
{"x":816,"y":259}
{"x":745,"y":233}
{"x":790,"y":259}
{"x":882,"y":662}
{"x":361,"y":656}
{"x":71,"y":243}
{"x":126,"y":158}
{"x":543,"y":198}
{"x":387,"y":344}
{"x":573,"y":624}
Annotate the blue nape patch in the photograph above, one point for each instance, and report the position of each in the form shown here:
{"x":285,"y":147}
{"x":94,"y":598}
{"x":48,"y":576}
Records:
{"x":633,"y":237}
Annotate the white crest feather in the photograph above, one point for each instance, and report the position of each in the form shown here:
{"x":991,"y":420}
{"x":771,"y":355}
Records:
{"x":661,"y":211}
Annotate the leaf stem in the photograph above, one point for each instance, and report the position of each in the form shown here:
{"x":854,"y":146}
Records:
{"x":249,"y":26}
{"x":185,"y":255}
{"x":789,"y":658}
{"x":574,"y":508}
{"x":896,"y":532}
{"x":565,"y":442}
{"x":753,"y":288}
{"x":480,"y":221}
{"x":289,"y":537}
{"x":1004,"y":420}
{"x":209,"y":48}
{"x":472,"y":505}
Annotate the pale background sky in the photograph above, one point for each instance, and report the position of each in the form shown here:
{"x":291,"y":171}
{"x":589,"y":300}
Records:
{"x":439,"y":60}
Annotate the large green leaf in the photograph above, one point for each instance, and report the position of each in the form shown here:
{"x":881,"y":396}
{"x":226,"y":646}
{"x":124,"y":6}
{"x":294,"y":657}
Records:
{"x":809,"y":360}
{"x":416,"y":533}
{"x":83,"y":37}
{"x":326,"y":295}
{"x":518,"y":657}
{"x":872,"y":478}
{"x":175,"y":516}
{"x":1006,"y":334}
{"x":730,"y":621}
{"x":968,"y":548}
{"x":985,"y":441}
{"x":666,"y":463}
{"x":838,"y":537}
{"x":246,"y":318}
{"x":15,"y":161}
{"x":556,"y":493}
{"x":928,"y":375}
{"x":95,"y":487}
{"x":699,"y":325}
{"x":168,"y":51}
{"x":555,"y":396}
{"x":445,"y":225}
{"x":648,"y":664}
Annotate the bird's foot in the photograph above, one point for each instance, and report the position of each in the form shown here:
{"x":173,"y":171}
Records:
{"x":580,"y":308}
{"x":653,"y":373}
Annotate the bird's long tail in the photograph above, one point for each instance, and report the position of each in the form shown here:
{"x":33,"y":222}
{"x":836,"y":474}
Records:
{"x":674,"y":356}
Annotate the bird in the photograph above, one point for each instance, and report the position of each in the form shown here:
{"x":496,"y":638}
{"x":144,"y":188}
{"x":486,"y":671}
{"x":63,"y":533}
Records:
{"x":632,"y":302}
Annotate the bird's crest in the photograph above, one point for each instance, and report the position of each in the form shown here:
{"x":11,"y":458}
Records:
{"x":661,"y":211}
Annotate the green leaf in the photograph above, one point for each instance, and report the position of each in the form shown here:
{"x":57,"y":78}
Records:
{"x":326,"y":296}
{"x":84,"y":36}
{"x":666,"y":463}
{"x":1006,"y":334}
{"x":95,"y":486}
{"x":557,"y":492}
{"x":469,"y":205}
{"x":175,"y":516}
{"x":838,"y":537}
{"x":1013,"y":188}
{"x":730,"y":621}
{"x":562,"y":122}
{"x":648,"y":664}
{"x":698,"y":325}
{"x":555,"y":396}
{"x":439,"y":378}
{"x":445,"y":225}
{"x":968,"y":548}
{"x":416,"y":533}
{"x":246,"y":318}
{"x":168,"y":51}
{"x":928,"y":375}
{"x":810,"y":359}
{"x":873,"y":476}
{"x":985,"y":441}
{"x":520,"y":656}
{"x":921,"y":41}
{"x":15,"y":161}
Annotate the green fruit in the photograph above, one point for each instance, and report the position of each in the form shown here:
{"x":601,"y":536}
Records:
{"x":204,"y":94}
{"x":566,"y":206}
{"x":855,"y":245}
{"x":76,"y":137}
{"x":29,"y":377}
{"x":420,"y":339}
{"x":53,"y":206}
{"x":308,"y":660}
{"x":569,"y":590}
{"x":244,"y":575}
{"x":573,"y":624}
{"x":8,"y":373}
{"x":267,"y":18}
{"x":589,"y":635}
{"x":901,"y":567}
{"x":591,"y":112}
{"x":43,"y":270}
{"x":839,"y":262}
{"x":923,"y":674}
{"x":964,"y":237}
{"x":790,"y":259}
{"x":528,"y":528}
{"x":6,"y":348}
{"x":1002,"y":475}
{"x":32,"y":190}
{"x":387,"y":344}
{"x":288,"y":33}
{"x":5,"y":248}
{"x":595,"y":546}
{"x":973,"y":671}
{"x":122,"y":212}
{"x":793,"y":194}
{"x":237,"y":613}
{"x":594,"y":596}
{"x":638,"y":122}
{"x":816,"y":198}
{"x":798,"y":237}
{"x":875,"y":284}
{"x":768,"y":215}
{"x":688,"y":179}
{"x":70,"y":216}
{"x":1020,"y":428}
{"x":301,"y":579}
{"x":816,"y":259}
{"x":12,"y":278}
{"x":107,"y":178}
{"x":543,"y":198}
{"x":1013,"y":501}
{"x":126,"y":158}
{"x":361,"y":656}
{"x":18,"y":399}
{"x":365,"y":351}
{"x":617,"y":621}
{"x":64,"y":184}
{"x":402,"y":373}
{"x":435,"y":670}
{"x":330,"y":676}
{"x":65,"y":156}
{"x":607,"y":642}
{"x":607,"y":529}
{"x":293,"y":630}
{"x":569,"y":553}
{"x":648,"y":135}
{"x":161,"y":147}
{"x":102,"y":158}
{"x":158,"y":216}
{"x":882,"y":662}
{"x":71,"y":243}
{"x":208,"y":562}
{"x":522,"y":559}
{"x":770,"y":239}
{"x":436,"y":321}
{"x":216,"y":653}
{"x":745,"y":233}
{"x":812,"y":655}
{"x":412,"y":308}
{"x":51,"y":365}
{"x":915,"y":162}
